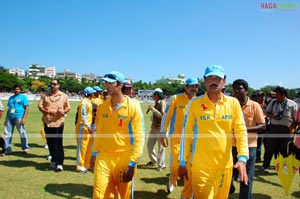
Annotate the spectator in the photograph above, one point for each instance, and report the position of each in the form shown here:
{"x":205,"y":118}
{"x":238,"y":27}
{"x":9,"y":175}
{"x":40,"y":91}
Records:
{"x":281,"y":112}
{"x":154,"y":136}
{"x":255,"y":121}
{"x":54,"y":106}
{"x":18,"y":108}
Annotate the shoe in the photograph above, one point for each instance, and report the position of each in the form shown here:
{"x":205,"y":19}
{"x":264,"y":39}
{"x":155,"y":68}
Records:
{"x":170,"y":186}
{"x":82,"y":170}
{"x":26,"y":151}
{"x":49,"y":157}
{"x":265,"y":170}
{"x":52,"y":165}
{"x":59,"y":167}
{"x":150,"y":164}
{"x":46,"y":146}
{"x":161,"y":168}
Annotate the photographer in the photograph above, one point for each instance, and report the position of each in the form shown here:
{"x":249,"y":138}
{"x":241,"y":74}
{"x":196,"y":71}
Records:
{"x":281,"y":112}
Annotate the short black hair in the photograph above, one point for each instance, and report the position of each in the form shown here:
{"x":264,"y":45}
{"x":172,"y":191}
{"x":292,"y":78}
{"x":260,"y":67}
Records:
{"x":281,"y":90}
{"x":241,"y":82}
{"x":17,"y":86}
{"x":56,"y":80}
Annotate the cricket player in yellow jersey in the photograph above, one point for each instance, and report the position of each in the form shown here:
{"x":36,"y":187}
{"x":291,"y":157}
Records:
{"x":84,"y":131}
{"x":206,"y":142}
{"x":97,"y":99}
{"x":118,"y":143}
{"x":172,"y":123}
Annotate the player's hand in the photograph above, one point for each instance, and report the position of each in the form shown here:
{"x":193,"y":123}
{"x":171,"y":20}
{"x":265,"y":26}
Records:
{"x":128,"y":174}
{"x":92,"y":162}
{"x":164,"y":141}
{"x":182,"y":173}
{"x":241,"y":167}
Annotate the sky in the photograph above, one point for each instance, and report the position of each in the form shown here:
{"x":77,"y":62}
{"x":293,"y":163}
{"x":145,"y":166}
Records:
{"x":148,"y":39}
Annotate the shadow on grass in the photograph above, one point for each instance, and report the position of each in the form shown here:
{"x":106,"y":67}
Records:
{"x":144,"y":166}
{"x":296,"y":194}
{"x":158,"y":180}
{"x":259,"y":176}
{"x":38,"y":166}
{"x":255,"y":195}
{"x":25,"y":163}
{"x":33,"y":145}
{"x":160,"y":194}
{"x":22,"y":155}
{"x":70,"y":190}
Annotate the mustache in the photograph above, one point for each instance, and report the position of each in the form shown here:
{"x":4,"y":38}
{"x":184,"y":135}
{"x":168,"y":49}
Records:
{"x":214,"y":86}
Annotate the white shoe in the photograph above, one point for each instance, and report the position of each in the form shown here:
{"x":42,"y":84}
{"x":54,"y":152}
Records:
{"x":49,"y":157}
{"x":170,"y":186}
{"x":59,"y":167}
{"x":81,"y":170}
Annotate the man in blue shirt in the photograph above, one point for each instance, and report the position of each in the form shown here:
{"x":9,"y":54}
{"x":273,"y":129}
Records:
{"x":18,"y":108}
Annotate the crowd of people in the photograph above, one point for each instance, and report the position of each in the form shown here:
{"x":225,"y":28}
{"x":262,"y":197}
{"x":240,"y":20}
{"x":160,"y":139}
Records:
{"x":214,"y":139}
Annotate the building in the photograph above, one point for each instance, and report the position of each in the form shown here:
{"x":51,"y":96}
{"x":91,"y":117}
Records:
{"x":67,"y":74}
{"x":88,"y":77}
{"x":17,"y":71}
{"x":35,"y":71}
{"x":168,"y":80}
{"x":50,"y":72}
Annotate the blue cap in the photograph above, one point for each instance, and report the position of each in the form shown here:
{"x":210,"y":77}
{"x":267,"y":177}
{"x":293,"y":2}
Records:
{"x":215,"y":71}
{"x":191,"y":81}
{"x":97,"y":88}
{"x":114,"y":76}
{"x":88,"y":90}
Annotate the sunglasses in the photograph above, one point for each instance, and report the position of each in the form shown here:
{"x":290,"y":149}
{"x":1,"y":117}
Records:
{"x":111,"y":76}
{"x":53,"y":84}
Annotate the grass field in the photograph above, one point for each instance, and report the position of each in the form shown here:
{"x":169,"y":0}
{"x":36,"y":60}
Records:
{"x":28,"y":176}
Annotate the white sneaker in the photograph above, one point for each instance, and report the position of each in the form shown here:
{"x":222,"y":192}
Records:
{"x":59,"y":167}
{"x":170,"y":186}
{"x":81,"y":170}
{"x":49,"y":157}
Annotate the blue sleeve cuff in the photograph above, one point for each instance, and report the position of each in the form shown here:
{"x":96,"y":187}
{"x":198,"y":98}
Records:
{"x":132,"y":164}
{"x":182,"y":164}
{"x":94,"y":154}
{"x":243,"y":158}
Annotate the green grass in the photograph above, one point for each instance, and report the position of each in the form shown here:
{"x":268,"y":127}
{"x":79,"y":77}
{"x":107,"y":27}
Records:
{"x":27,"y":176}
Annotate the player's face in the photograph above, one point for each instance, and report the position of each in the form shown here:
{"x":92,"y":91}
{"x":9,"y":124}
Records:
{"x":214,"y":83}
{"x":191,"y":90}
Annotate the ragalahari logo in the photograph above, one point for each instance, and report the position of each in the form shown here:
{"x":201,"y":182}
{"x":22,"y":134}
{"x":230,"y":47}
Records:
{"x":272,"y":6}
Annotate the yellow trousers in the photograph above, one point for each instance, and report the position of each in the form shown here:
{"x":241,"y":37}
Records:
{"x":211,"y":183}
{"x":174,"y":166}
{"x":108,"y":172}
{"x":84,"y":147}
